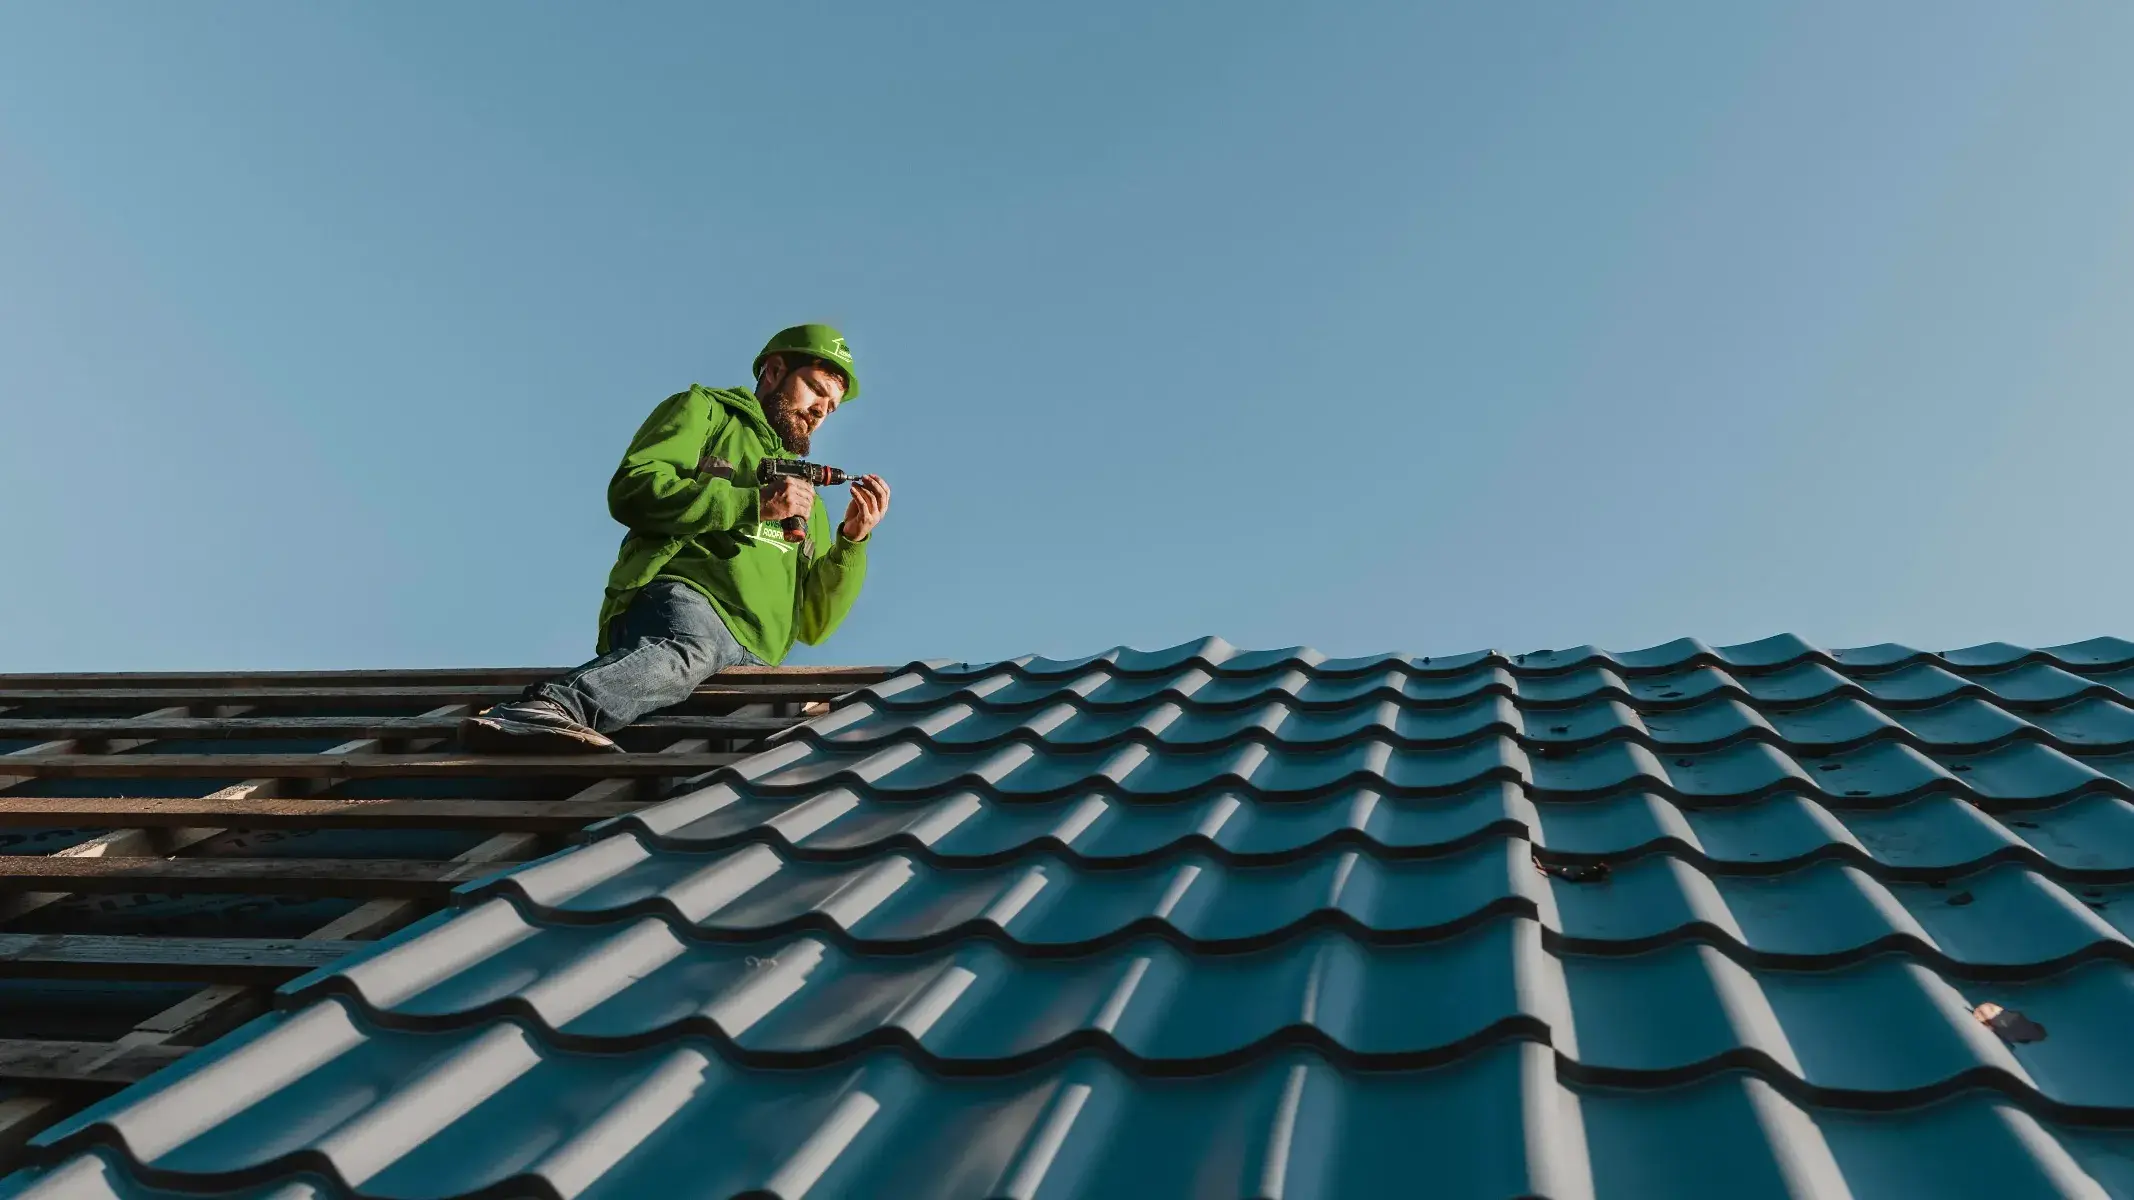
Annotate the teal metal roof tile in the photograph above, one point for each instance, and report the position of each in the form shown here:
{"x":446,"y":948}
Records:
{"x":1688,"y":921}
{"x":1879,"y":1026}
{"x":2086,"y":723}
{"x":678,"y":1120}
{"x":1799,"y":683}
{"x":2092,"y":654}
{"x":1961,"y":723}
{"x":1767,"y":652}
{"x":2028,"y":771}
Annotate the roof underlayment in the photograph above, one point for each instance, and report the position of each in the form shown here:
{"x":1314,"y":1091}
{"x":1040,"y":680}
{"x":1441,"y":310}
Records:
{"x":1762,"y":920}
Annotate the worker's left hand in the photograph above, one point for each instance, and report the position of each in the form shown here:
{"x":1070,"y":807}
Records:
{"x":870,"y":499}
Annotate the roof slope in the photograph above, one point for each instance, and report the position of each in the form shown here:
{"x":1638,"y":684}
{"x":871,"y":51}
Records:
{"x":173,"y":845}
{"x":1752,"y":921}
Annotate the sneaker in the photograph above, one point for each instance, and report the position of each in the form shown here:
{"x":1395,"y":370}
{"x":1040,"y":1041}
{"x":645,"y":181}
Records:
{"x":532,"y":727}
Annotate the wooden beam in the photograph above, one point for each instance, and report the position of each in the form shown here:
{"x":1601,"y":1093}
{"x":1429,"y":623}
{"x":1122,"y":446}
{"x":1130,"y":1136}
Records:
{"x":9,"y":778}
{"x":83,"y":1062}
{"x":208,"y":1012}
{"x":347,"y":727}
{"x":115,"y":841}
{"x":258,"y":876}
{"x":516,"y":677}
{"x":67,"y":743}
{"x":219,"y":1008}
{"x":172,"y":839}
{"x":164,"y":959}
{"x":381,"y":916}
{"x":271,"y":812}
{"x":22,"y":1117}
{"x":161,"y":1038}
{"x":734,"y":691}
{"x":365,"y":766}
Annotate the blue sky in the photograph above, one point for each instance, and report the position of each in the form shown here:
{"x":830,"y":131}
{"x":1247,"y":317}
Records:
{"x":1421,"y":326}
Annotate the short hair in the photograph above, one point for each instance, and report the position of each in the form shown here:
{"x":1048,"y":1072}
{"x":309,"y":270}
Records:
{"x":793,"y":360}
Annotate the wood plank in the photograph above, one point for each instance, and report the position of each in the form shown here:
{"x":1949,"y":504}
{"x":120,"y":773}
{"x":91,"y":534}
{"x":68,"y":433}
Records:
{"x":22,"y":1117}
{"x":770,"y":691}
{"x":267,"y":812}
{"x":381,"y":916}
{"x":67,"y":744}
{"x":251,"y":876}
{"x":218,"y":1008}
{"x":84,"y":1062}
{"x":9,"y":778}
{"x":164,"y":959}
{"x":210,"y":1011}
{"x":343,"y":727}
{"x":517,"y":677}
{"x":173,"y":839}
{"x":363,"y":766}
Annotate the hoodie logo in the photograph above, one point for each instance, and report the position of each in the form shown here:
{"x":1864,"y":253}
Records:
{"x":772,"y":534}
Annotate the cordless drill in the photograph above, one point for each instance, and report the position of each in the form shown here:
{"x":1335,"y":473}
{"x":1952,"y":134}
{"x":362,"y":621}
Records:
{"x":796,"y":528}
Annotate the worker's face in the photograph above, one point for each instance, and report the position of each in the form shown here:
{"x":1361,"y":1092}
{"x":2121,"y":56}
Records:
{"x":797,"y":401}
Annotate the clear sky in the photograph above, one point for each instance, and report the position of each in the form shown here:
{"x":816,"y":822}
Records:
{"x":1416,"y":327}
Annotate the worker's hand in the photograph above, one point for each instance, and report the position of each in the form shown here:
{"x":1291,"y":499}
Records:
{"x":870,"y":499}
{"x":784,"y":497}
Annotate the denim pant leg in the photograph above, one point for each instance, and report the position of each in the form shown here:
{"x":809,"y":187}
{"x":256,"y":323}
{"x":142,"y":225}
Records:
{"x":667,"y":642}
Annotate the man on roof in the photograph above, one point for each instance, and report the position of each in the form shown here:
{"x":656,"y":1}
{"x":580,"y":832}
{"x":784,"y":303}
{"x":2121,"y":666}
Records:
{"x":707,"y":578}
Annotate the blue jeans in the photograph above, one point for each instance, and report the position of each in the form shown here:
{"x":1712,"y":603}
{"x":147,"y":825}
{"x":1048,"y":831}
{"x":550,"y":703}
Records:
{"x":667,"y":642}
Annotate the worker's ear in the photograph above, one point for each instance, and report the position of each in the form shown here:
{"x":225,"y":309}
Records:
{"x":774,"y":372}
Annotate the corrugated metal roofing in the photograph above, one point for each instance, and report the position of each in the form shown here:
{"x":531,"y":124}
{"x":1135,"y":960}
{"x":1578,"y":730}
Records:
{"x":1747,"y":921}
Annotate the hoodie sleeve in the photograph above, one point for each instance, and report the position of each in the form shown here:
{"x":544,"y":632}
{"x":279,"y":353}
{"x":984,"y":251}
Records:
{"x":656,"y":489}
{"x":829,"y":584}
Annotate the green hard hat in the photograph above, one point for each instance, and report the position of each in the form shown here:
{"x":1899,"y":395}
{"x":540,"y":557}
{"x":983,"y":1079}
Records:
{"x":817,"y":341}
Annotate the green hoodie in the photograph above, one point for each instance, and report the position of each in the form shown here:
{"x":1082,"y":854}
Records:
{"x":702,"y":528}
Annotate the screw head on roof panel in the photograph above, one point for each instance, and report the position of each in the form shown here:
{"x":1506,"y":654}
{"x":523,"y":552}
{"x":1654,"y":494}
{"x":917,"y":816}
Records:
{"x":2013,"y":1026}
{"x":1593,"y":872}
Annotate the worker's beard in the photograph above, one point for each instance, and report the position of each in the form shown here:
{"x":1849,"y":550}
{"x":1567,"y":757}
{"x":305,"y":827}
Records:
{"x":792,"y":430}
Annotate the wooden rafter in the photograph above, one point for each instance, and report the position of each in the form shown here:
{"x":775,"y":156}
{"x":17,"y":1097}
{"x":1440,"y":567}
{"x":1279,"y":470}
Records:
{"x":164,"y":959}
{"x":387,"y":694}
{"x":362,"y":766}
{"x":250,"y":876}
{"x":83,"y":1062}
{"x":144,"y":835}
{"x":517,"y":677}
{"x":198,"y":728}
{"x":278,"y":812}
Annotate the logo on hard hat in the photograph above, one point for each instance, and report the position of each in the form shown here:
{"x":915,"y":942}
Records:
{"x":837,"y":349}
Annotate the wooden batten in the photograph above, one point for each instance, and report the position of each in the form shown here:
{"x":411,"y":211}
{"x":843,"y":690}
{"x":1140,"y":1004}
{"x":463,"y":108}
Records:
{"x":514,"y":677}
{"x":275,"y":812}
{"x":105,"y":1063}
{"x":361,"y":766}
{"x":401,"y":694}
{"x":398,"y":725}
{"x":264,"y":876}
{"x":209,"y":728}
{"x":164,"y":959}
